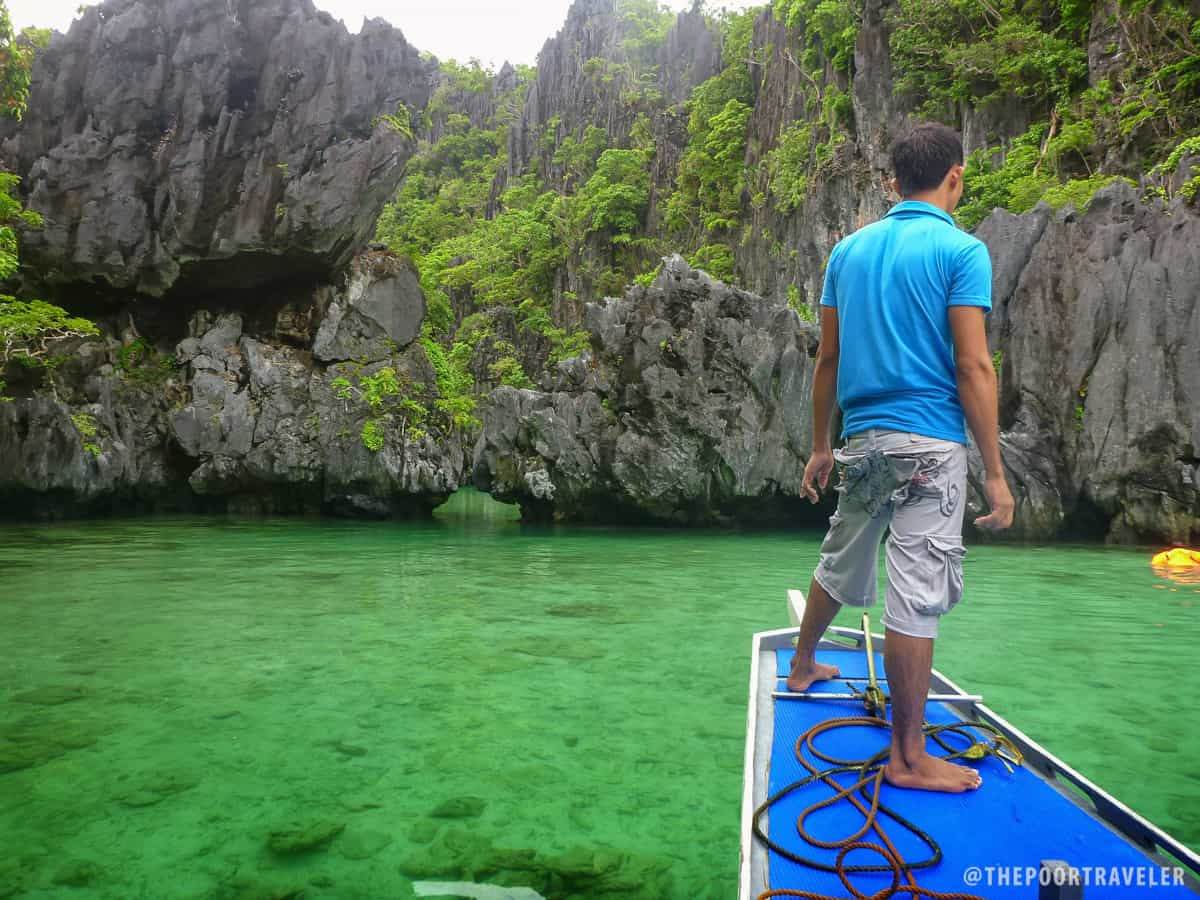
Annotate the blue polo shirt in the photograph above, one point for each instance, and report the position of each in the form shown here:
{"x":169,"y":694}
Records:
{"x":892,"y":283}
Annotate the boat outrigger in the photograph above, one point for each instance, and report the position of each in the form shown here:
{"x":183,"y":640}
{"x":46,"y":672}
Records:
{"x":819,"y":821}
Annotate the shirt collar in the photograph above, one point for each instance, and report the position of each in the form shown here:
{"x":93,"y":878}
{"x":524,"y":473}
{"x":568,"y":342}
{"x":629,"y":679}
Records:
{"x":920,"y":207}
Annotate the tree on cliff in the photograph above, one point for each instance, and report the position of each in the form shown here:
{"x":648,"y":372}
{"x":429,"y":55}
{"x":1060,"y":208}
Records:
{"x":16,"y":62}
{"x":29,"y":329}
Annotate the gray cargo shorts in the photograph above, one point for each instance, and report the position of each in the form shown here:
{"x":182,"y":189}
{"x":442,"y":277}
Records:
{"x":915,"y":487}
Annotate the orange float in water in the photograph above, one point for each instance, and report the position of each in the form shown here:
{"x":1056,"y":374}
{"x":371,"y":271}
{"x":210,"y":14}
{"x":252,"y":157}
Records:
{"x":1177,"y":557}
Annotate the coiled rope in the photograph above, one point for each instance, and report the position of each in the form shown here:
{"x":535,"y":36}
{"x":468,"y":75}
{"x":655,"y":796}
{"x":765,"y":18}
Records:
{"x":869,"y":783}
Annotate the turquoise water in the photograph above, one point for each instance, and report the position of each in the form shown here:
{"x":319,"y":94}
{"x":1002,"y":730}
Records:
{"x":269,"y":709}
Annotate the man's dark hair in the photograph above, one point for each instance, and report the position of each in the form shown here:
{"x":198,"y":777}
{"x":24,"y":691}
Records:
{"x":922,"y":158}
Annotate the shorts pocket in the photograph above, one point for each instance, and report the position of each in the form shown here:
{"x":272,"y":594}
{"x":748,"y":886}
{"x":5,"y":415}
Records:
{"x":846,"y":457}
{"x":944,"y":574}
{"x":864,"y":479}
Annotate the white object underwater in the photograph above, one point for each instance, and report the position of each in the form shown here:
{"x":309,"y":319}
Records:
{"x":474,"y":891}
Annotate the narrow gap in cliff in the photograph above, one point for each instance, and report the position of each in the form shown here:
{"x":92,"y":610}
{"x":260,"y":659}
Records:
{"x":1086,"y":522}
{"x":757,"y":513}
{"x":468,"y":504}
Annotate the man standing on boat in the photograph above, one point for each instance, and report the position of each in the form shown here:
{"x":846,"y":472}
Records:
{"x":903,"y":351}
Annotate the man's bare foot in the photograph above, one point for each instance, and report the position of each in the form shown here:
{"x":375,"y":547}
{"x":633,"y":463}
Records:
{"x":928,"y":773}
{"x":802,"y":677}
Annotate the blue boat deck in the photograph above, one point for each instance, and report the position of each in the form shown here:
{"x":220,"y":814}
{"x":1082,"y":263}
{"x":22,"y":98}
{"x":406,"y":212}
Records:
{"x":992,"y":839}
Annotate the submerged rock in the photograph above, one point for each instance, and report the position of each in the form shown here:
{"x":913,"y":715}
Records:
{"x":453,"y":852}
{"x":77,"y":873}
{"x":460,"y":855}
{"x":259,"y":887}
{"x":38,"y":739}
{"x":141,"y":799}
{"x":362,"y":843}
{"x":588,"y":872}
{"x":422,"y":831}
{"x":460,"y":808}
{"x":154,"y":787}
{"x":472,"y":890}
{"x":11,"y":881}
{"x":17,"y":755}
{"x":296,"y":838}
{"x":360,"y":804}
{"x":52,"y":695}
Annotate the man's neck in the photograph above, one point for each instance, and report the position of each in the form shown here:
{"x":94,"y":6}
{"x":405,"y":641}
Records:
{"x":940,"y":199}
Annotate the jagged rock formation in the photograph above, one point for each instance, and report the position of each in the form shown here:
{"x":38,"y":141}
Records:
{"x":165,"y":136}
{"x":479,"y":106}
{"x":782,"y":249}
{"x":775,"y":249}
{"x":1098,"y":325}
{"x":248,"y":423}
{"x":694,"y":407}
{"x":585,"y":76}
{"x":575,"y":95}
{"x":1102,"y":471}
{"x":226,"y":158}
{"x":691,"y":410}
{"x":376,"y":315}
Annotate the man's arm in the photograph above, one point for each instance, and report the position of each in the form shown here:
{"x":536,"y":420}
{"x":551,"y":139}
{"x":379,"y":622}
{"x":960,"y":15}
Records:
{"x":824,"y":398}
{"x":978,"y":394}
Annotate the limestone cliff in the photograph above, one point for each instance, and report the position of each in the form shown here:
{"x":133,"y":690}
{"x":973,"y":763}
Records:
{"x":1121,"y":465}
{"x":311,"y":410}
{"x":209,"y":173}
{"x":694,"y":405}
{"x":1097,"y":327}
{"x":166,"y":137}
{"x":691,"y":410}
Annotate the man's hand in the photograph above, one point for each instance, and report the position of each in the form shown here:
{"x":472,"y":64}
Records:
{"x":1000,"y":501}
{"x":820,"y":464}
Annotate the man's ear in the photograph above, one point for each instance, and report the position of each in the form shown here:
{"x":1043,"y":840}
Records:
{"x":896,"y":185}
{"x":955,"y":176}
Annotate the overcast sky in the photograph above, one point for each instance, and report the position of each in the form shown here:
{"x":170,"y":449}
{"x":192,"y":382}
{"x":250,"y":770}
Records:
{"x":492,"y":31}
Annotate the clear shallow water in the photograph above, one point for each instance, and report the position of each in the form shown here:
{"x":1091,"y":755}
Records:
{"x":187,"y":705}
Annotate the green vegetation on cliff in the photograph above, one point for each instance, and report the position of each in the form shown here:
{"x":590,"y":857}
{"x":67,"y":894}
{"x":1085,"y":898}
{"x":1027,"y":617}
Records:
{"x":17,"y":50}
{"x":830,"y":28}
{"x":706,"y":206}
{"x":1032,"y":172}
{"x":1139,"y":100}
{"x":30,"y":330}
{"x":490,"y":264}
{"x":1068,"y":95}
{"x":952,"y":52}
{"x":440,"y":219}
